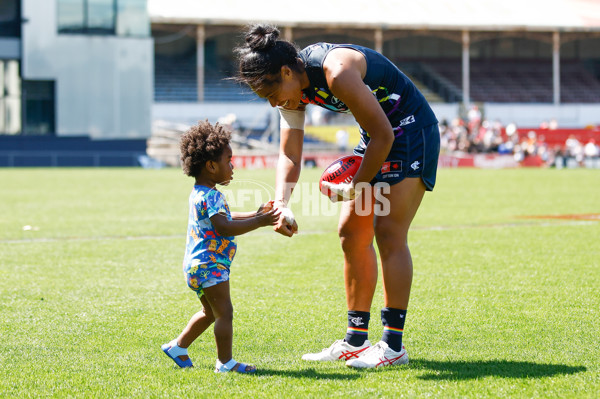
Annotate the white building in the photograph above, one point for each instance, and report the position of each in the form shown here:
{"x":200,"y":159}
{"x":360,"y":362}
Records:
{"x":76,"y":68}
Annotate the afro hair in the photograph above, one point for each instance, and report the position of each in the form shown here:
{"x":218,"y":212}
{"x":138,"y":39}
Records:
{"x":201,"y":143}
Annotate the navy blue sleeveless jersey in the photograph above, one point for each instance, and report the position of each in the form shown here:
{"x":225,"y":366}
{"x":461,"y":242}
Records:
{"x":404,"y":105}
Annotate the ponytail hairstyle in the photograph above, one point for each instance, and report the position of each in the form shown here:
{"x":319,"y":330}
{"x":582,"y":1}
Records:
{"x":262,"y":55}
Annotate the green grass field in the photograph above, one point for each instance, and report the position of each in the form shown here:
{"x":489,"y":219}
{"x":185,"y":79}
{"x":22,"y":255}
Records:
{"x":503,"y":305}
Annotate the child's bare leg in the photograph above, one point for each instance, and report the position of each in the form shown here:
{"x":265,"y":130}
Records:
{"x":220,"y":301}
{"x":196,"y":326}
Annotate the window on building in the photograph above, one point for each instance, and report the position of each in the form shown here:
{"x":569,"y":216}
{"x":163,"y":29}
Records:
{"x":101,"y":16}
{"x":38,"y":107}
{"x":71,"y":16}
{"x":104,"y":17}
{"x":10,"y":18}
{"x":10,"y":97}
{"x":86,"y":16}
{"x":132,"y":18}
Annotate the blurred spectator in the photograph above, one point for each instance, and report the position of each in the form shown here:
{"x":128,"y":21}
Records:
{"x":492,"y":136}
{"x":518,"y":153}
{"x":454,"y":137}
{"x":474,"y":117}
{"x":512,"y":139}
{"x":511,"y":129}
{"x":574,"y":149}
{"x":545,"y":153}
{"x":591,"y":150}
{"x":341,"y":139}
{"x":529,"y":144}
{"x":559,"y":160}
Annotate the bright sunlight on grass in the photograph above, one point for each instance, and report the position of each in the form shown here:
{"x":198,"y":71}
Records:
{"x":505,"y":300}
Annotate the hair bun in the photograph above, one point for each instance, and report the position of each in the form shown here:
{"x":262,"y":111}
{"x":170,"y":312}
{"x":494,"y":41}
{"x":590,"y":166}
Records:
{"x":261,"y":37}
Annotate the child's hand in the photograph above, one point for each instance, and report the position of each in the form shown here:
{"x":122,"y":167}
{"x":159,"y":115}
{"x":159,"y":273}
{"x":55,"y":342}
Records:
{"x":269,"y":218}
{"x":265,"y":207}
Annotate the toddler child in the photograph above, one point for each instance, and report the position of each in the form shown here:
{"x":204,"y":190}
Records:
{"x":210,"y":248}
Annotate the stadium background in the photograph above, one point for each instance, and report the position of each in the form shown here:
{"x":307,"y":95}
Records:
{"x":104,"y":82}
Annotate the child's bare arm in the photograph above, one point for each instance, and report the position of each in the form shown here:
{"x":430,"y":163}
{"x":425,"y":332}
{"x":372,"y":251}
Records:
{"x":245,"y":215}
{"x":242,"y":215}
{"x":236,"y":227}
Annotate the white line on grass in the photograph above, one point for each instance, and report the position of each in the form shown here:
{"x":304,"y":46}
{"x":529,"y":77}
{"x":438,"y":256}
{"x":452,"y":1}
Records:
{"x":92,"y":238}
{"x":309,"y":232}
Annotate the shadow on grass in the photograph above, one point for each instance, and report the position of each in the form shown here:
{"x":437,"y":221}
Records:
{"x":308,"y":373}
{"x":489,"y":368}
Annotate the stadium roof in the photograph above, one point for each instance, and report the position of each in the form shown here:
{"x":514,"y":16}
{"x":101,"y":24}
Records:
{"x":532,"y":15}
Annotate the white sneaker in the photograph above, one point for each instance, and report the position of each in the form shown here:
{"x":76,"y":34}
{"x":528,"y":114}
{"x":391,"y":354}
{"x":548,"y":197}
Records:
{"x":379,"y":355}
{"x":339,"y":350}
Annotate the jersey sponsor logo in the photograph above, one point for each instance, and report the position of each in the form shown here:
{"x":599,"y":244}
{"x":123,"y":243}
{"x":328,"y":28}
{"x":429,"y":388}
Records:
{"x":391,"y":169}
{"x":336,"y":170}
{"x":407,"y":120}
{"x":391,"y":166}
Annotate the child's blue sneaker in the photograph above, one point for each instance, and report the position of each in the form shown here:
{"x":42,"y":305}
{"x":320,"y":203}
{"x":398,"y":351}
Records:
{"x":174,"y":351}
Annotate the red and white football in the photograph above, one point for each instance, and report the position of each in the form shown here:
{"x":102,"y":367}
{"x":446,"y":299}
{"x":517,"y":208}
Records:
{"x":342,"y":170}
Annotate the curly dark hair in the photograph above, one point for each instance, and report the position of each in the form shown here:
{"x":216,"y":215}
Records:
{"x":201,"y":143}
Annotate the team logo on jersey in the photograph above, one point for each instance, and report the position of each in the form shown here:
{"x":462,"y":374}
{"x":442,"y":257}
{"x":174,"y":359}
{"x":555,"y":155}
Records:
{"x":415,"y":165}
